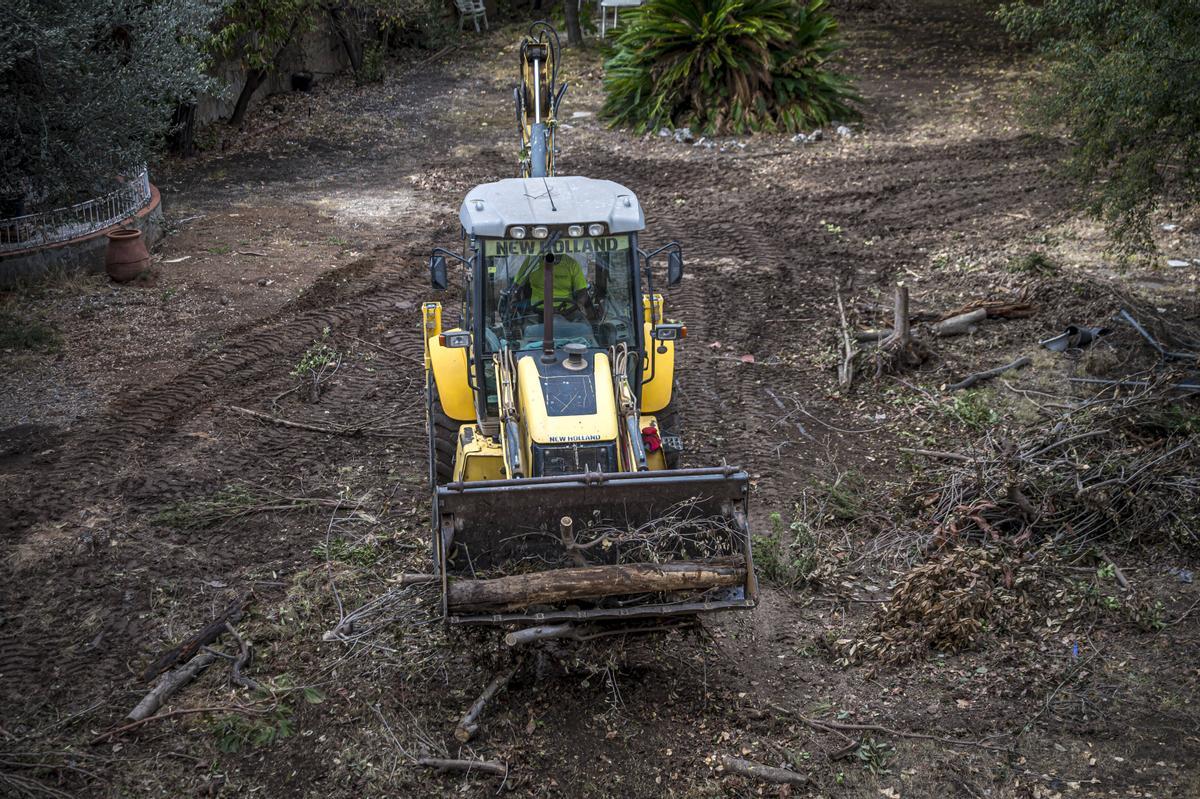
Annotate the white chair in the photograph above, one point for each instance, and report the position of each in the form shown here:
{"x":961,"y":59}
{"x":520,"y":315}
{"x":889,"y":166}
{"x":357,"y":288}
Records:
{"x":614,"y":5}
{"x":473,"y":9}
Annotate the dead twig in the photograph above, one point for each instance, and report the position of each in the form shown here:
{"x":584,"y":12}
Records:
{"x":837,"y":726}
{"x":846,"y":368}
{"x":979,"y":377}
{"x":338,"y":430}
{"x":934,"y":453}
{"x":244,"y":658}
{"x":468,"y":725}
{"x":249,"y":709}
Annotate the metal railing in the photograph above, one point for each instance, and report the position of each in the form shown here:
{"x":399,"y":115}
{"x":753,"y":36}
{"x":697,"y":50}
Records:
{"x":61,"y":224}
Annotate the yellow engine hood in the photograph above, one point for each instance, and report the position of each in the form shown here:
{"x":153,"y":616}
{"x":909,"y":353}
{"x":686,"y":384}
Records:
{"x":561,"y":406}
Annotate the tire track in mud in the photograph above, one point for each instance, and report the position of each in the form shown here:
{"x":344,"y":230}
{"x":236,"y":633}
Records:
{"x":110,"y":456}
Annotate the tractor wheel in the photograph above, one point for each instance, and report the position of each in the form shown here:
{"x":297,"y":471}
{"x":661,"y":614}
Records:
{"x":444,"y":431}
{"x":669,"y":422}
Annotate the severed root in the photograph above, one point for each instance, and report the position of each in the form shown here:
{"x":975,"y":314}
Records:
{"x":468,"y":766}
{"x":468,"y":725}
{"x":748,"y":768}
{"x":169,"y":683}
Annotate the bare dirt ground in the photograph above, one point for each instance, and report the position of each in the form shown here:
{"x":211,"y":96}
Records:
{"x":137,"y":502}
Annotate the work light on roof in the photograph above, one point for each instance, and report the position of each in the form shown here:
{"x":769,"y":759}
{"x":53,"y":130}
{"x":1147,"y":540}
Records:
{"x":517,"y":232}
{"x":541,"y":232}
{"x":575,"y":231}
{"x":595,"y":229}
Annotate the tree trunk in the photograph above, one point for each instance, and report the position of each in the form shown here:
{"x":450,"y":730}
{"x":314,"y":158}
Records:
{"x":593,"y":582}
{"x":571,"y":12}
{"x":352,"y":44}
{"x":182,"y":137}
{"x":254,"y":79}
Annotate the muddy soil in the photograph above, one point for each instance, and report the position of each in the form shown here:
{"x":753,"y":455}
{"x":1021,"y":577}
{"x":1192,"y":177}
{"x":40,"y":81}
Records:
{"x":138,"y":499}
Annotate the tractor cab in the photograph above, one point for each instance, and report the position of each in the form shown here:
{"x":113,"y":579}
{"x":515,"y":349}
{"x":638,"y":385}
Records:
{"x":578,"y":236}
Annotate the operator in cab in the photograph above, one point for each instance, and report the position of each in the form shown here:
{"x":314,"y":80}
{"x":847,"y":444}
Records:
{"x":570,"y":292}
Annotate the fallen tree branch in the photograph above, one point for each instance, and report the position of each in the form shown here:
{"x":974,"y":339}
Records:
{"x":778,"y":776}
{"x":979,"y":377}
{"x":478,"y":766}
{"x":244,"y":658}
{"x":1120,"y":575}
{"x":468,"y":725}
{"x":207,"y":634}
{"x":935,"y":453}
{"x":187,"y":711}
{"x":169,"y":683}
{"x":337,"y":430}
{"x":840,"y":727}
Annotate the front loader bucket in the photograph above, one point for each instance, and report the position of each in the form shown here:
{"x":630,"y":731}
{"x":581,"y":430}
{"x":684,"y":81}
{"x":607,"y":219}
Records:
{"x":594,"y":546}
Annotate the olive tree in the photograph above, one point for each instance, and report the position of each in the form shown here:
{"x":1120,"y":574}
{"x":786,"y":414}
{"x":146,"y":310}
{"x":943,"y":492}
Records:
{"x":89,"y":88}
{"x":1123,"y":80}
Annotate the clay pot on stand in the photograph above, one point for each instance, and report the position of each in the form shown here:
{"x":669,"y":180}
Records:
{"x":126,"y":256}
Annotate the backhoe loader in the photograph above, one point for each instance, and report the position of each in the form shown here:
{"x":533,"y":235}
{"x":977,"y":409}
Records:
{"x":552,"y":413}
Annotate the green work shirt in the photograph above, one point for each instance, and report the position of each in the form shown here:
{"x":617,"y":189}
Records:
{"x":569,"y":280}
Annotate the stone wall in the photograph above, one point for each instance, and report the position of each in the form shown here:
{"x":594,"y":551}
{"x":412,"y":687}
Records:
{"x":319,"y":52}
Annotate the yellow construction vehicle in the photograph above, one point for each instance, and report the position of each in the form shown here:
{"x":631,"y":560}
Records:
{"x":553,"y":432}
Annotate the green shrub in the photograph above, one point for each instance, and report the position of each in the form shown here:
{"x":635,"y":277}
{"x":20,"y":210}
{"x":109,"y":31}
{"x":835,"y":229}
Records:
{"x":1033,"y":263}
{"x":788,"y":558}
{"x":373,"y":67}
{"x":972,"y":410}
{"x":1120,"y":84}
{"x":726,"y":66}
{"x":19,"y":333}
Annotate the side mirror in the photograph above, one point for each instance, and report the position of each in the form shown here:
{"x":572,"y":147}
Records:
{"x":437,"y":272}
{"x":674,"y":267}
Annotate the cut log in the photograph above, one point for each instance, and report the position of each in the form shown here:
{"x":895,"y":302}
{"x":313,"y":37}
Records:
{"x":593,"y":582}
{"x":963,"y":323}
{"x":748,"y":768}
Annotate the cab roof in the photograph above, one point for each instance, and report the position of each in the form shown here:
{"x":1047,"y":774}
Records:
{"x":491,"y":208}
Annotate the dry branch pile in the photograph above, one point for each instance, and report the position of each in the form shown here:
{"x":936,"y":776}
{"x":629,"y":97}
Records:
{"x":949,"y":603}
{"x":1121,"y":467}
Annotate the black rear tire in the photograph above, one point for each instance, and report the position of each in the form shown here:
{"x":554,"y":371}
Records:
{"x":444,"y":432}
{"x":669,"y":422}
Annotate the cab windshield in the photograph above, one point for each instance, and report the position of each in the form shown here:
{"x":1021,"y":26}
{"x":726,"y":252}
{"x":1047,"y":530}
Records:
{"x":591,"y":291}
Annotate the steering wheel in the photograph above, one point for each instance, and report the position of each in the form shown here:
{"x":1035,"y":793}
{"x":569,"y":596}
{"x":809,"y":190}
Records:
{"x":564,"y":306}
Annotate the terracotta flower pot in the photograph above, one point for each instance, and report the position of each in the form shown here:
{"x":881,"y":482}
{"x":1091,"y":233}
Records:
{"x":126,"y":256}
